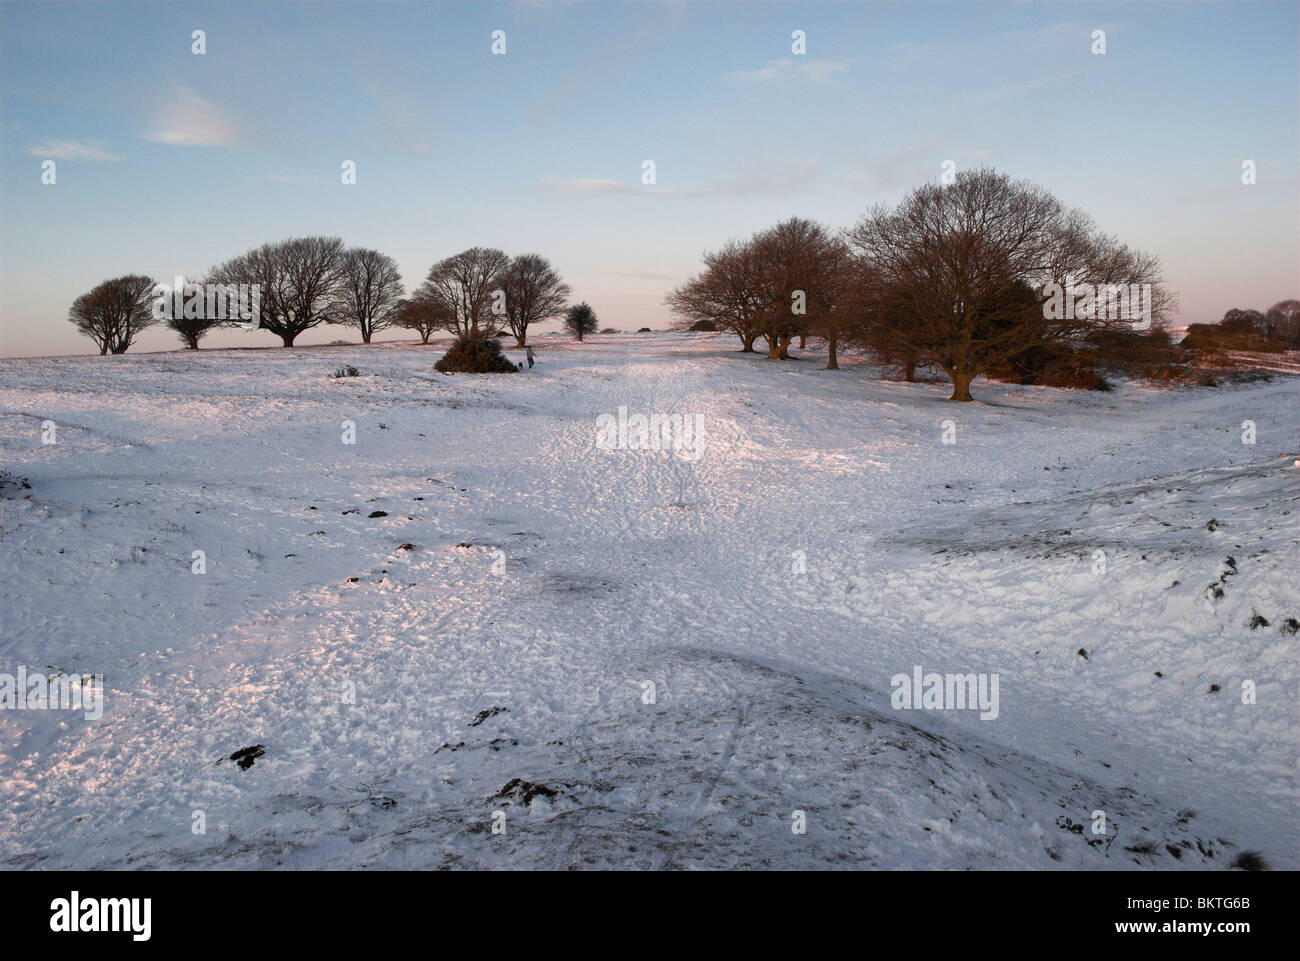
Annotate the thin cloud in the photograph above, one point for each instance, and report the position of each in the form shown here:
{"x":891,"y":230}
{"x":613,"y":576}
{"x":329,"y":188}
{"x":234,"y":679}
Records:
{"x":89,"y":151}
{"x":187,"y":120}
{"x":741,"y":186}
{"x":816,"y":71}
{"x":642,"y":275}
{"x":762,"y":185}
{"x":405,"y":127}
{"x":585,"y":187}
{"x":292,"y":179}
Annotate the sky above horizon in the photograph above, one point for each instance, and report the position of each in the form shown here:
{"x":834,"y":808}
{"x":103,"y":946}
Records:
{"x":169,"y":162}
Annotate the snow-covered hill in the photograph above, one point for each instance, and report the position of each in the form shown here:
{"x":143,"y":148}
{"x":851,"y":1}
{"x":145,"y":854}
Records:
{"x":642,"y":658}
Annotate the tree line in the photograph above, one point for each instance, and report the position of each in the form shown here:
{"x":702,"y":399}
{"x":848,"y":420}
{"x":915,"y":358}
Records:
{"x":304,"y":282}
{"x":971,"y":278}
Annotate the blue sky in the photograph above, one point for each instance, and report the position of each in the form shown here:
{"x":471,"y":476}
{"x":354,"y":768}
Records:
{"x":169,"y":162}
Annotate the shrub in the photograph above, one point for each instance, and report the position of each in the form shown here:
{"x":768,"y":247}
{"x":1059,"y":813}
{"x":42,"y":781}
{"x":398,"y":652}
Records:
{"x":1214,"y":338}
{"x":703,"y":325}
{"x":475,"y":355}
{"x":644,"y":330}
{"x":609,"y":330}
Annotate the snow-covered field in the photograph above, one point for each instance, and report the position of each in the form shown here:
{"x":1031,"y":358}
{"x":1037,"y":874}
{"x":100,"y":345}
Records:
{"x":500,"y":620}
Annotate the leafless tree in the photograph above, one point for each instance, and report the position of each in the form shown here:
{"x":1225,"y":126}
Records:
{"x":799,"y":263}
{"x":533,"y":292}
{"x":950,"y":262}
{"x":190,"y":317}
{"x":1283,"y":320}
{"x":300,"y":282}
{"x":422,"y":314}
{"x":371,"y":289}
{"x":114,"y":312}
{"x":462,"y":287}
{"x":725,"y":294}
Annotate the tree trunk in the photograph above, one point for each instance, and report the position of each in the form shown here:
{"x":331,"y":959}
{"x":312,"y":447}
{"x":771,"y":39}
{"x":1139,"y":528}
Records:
{"x":831,"y":362}
{"x":961,"y":385}
{"x":909,"y":370}
{"x":749,"y":343}
{"x":193,"y":340}
{"x":288,"y":339}
{"x":803,"y":341}
{"x":365,"y":336}
{"x":520,"y":342}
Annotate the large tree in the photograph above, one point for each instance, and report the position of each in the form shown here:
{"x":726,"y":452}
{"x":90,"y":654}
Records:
{"x":422,"y":314}
{"x":798,"y":269}
{"x":462,"y":287}
{"x":370,"y":291}
{"x":533,"y":292}
{"x":300,"y":282}
{"x":949,"y":262}
{"x":114,"y":312}
{"x":190,"y":318}
{"x":724,"y":294}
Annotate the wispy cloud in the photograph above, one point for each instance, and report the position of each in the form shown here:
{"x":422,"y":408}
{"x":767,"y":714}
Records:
{"x":292,"y":179}
{"x":743,"y":185}
{"x":1235,"y":162}
{"x":788,"y":68}
{"x":643,"y":275}
{"x":585,"y":187}
{"x":187,"y":120}
{"x":762,"y":184}
{"x":406,"y":127}
{"x":90,"y":151}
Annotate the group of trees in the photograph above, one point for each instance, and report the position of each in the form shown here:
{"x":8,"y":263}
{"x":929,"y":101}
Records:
{"x":1276,"y":329}
{"x":304,"y":282}
{"x":957,"y":277}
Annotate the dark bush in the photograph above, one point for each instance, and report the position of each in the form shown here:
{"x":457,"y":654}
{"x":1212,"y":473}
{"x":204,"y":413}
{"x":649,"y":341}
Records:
{"x":610,"y":330}
{"x":644,"y":330}
{"x":1051,"y":365}
{"x":475,"y":355}
{"x":1217,"y":339}
{"x":704,"y":325}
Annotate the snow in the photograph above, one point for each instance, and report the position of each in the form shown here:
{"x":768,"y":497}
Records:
{"x":523,"y":567}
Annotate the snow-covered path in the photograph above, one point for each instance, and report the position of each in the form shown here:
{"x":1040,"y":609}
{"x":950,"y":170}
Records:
{"x":519,"y":566}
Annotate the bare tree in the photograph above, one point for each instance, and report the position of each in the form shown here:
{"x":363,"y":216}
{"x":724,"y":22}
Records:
{"x":422,"y":314}
{"x":799,"y":263}
{"x":725,"y":294}
{"x":949,"y":261}
{"x":462,"y":286}
{"x":1283,"y":320}
{"x":300,"y":282}
{"x":371,"y":289}
{"x":114,"y":312}
{"x":533,"y":292}
{"x":190,"y":316}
